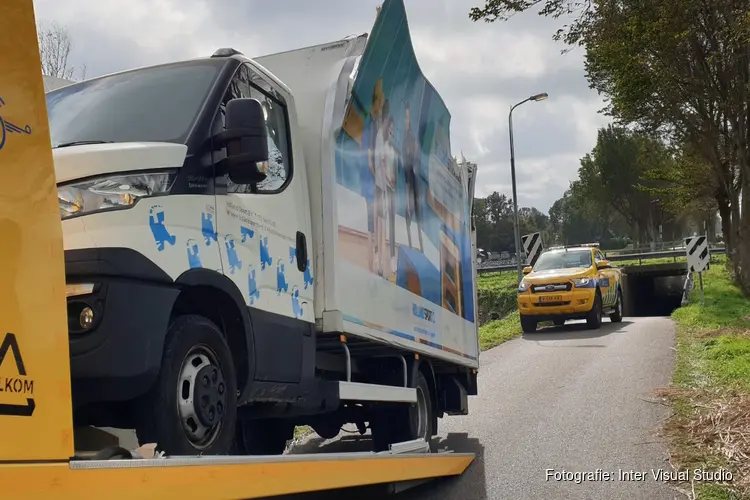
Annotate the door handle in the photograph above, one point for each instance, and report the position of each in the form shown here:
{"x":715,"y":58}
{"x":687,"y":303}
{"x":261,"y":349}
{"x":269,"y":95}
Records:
{"x":301,"y":252}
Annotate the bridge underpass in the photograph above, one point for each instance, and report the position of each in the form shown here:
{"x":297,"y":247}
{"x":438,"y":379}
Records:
{"x":654,"y":289}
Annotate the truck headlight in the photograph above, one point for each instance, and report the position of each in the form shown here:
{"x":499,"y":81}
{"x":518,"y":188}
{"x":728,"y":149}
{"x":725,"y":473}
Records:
{"x":109,"y":193}
{"x":522,"y":287}
{"x":582,"y":282}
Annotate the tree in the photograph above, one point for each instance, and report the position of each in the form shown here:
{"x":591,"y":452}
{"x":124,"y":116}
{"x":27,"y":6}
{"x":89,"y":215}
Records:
{"x":493,"y":218}
{"x":54,"y":49}
{"x":677,"y":69}
{"x":613,"y":175}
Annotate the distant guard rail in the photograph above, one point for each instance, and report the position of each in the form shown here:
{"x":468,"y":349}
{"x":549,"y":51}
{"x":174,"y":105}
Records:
{"x":492,"y":267}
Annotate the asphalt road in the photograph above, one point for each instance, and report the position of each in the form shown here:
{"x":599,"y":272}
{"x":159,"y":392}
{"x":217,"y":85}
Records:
{"x":564,"y":399}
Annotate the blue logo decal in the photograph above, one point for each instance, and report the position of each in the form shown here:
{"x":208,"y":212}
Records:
{"x":265,"y":256}
{"x":252,"y":286}
{"x":207,"y":228}
{"x":234,"y":261}
{"x":246,"y":233}
{"x":9,"y":128}
{"x":423,"y":313}
{"x":158,"y":229}
{"x":308,"y":275}
{"x":281,"y":284}
{"x":193,"y":255}
{"x":292,"y":254}
{"x":296,"y":306}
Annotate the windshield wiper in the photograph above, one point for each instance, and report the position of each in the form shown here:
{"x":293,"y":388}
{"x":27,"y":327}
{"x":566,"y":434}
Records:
{"x":81,"y":143}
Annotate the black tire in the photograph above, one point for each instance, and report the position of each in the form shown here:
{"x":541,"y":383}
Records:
{"x":262,"y":436}
{"x":558,"y":322}
{"x":616,"y":316}
{"x":391,"y":424}
{"x":594,"y":316}
{"x":195,"y":350}
{"x":528,"y":324}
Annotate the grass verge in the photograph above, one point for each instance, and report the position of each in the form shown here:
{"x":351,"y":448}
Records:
{"x":710,"y":393}
{"x":498,"y":331}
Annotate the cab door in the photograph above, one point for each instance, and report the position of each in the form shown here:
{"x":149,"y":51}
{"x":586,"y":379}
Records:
{"x":263,"y":232}
{"x":607,"y":281}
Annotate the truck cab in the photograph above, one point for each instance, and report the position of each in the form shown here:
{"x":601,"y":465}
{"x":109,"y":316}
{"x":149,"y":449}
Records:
{"x":175,"y":219}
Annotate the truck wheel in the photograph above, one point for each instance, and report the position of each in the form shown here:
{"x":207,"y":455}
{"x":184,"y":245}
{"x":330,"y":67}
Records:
{"x":528,"y":325}
{"x":263,"y":436}
{"x":594,"y":316}
{"x":616,"y":316}
{"x":391,"y":424}
{"x":192,"y":407}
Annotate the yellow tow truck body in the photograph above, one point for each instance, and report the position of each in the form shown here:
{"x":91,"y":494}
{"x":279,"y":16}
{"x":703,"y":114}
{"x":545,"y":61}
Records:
{"x":37,"y":448}
{"x":568,"y":283}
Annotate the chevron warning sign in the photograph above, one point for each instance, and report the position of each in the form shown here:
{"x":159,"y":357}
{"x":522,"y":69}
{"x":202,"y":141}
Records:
{"x":698,"y":255}
{"x":532,"y":247}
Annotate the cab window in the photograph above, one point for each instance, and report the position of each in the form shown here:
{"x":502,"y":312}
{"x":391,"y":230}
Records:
{"x":562,"y":260}
{"x":278,"y":167}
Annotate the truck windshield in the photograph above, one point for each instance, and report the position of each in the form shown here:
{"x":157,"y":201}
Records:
{"x":562,"y":260}
{"x":157,"y":104}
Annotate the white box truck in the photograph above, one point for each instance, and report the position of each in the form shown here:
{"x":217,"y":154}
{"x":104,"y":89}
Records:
{"x":252,"y":245}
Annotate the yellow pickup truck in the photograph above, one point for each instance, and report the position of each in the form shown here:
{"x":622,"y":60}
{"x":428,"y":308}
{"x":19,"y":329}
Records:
{"x":570,"y":283}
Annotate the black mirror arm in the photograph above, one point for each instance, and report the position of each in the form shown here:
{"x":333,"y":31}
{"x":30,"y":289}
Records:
{"x":221,"y":139}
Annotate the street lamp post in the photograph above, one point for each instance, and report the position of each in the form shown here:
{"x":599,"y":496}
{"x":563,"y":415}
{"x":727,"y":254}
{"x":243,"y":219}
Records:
{"x":517,"y":229}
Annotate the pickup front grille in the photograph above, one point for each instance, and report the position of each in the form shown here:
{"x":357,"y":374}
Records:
{"x":552,"y":288}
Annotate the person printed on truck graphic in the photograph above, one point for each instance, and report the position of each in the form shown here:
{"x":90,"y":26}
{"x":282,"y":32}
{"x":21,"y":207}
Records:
{"x":367,"y":175}
{"x":390,"y":161}
{"x":410,"y":162}
{"x":381,"y":181}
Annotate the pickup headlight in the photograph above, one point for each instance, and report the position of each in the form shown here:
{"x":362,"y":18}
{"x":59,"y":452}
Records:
{"x":522,"y":287}
{"x":109,"y":193}
{"x":583,"y":282}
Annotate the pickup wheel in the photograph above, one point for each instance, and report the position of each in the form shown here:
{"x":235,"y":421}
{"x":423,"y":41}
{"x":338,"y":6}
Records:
{"x":391,"y":424}
{"x":616,"y":316}
{"x":262,"y":436}
{"x":594,"y":316}
{"x":192,"y":407}
{"x":528,"y":325}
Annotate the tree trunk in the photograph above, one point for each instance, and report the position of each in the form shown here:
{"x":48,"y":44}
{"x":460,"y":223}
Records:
{"x":726,"y":227}
{"x":743,"y":246}
{"x":711,"y":228}
{"x":735,"y":236}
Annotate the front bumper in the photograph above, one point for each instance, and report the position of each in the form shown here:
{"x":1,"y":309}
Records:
{"x":118,"y":357}
{"x":574,"y":303}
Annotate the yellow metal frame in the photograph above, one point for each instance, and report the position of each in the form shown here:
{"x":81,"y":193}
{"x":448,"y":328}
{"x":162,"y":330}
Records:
{"x":259,"y":480}
{"x":35,"y":397}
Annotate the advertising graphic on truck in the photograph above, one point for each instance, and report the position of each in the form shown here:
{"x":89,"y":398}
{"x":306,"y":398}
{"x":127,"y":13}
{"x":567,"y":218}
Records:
{"x":402,"y":201}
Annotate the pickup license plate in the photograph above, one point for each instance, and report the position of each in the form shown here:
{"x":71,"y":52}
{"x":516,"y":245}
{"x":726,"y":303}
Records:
{"x":551,"y":298}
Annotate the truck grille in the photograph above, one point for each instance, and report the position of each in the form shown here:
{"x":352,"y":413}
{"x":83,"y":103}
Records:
{"x":552,"y":288}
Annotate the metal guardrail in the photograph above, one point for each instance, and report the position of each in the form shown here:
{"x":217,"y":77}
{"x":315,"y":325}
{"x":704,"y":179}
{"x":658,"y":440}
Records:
{"x":492,"y":267}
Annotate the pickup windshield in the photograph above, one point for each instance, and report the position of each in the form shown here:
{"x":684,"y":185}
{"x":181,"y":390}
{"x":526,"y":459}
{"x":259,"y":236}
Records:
{"x":562,"y":260}
{"x":157,"y":104}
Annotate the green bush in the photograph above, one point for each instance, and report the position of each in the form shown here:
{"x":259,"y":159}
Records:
{"x":496,"y":296}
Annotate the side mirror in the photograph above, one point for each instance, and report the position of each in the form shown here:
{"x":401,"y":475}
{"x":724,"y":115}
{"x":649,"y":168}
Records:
{"x":527,"y":270}
{"x":246,"y":140}
{"x":603,"y":264}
